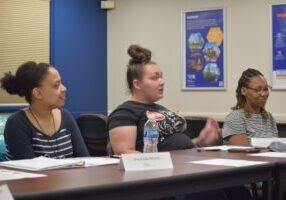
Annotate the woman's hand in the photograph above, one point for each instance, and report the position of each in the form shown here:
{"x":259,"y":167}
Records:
{"x":209,"y":134}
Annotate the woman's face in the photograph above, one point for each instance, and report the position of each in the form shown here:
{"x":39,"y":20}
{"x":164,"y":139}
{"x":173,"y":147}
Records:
{"x":151,"y":86}
{"x":257,"y":92}
{"x":51,"y":90}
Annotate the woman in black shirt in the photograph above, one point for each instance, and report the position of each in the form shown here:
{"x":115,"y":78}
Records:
{"x":126,"y":122}
{"x":146,"y":85}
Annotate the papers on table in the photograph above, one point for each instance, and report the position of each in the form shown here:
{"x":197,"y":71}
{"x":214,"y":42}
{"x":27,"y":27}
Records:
{"x":6,"y":174}
{"x":96,"y":161}
{"x":227,"y":162}
{"x":265,"y":142}
{"x":42,"y":163}
{"x":270,"y":154}
{"x":223,"y":147}
{"x":5,"y":193}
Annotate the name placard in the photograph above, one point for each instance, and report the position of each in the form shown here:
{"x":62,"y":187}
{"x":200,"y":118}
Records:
{"x":5,"y":193}
{"x":145,"y":161}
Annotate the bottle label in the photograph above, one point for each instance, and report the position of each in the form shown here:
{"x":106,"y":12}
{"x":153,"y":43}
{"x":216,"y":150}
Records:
{"x":151,"y":134}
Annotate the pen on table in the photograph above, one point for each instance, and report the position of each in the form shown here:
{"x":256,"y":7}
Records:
{"x":200,"y":150}
{"x":115,"y":156}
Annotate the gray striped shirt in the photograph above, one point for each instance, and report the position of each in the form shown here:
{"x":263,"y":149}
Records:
{"x":253,"y":126}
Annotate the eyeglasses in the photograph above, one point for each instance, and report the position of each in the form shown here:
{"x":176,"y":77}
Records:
{"x":260,"y":90}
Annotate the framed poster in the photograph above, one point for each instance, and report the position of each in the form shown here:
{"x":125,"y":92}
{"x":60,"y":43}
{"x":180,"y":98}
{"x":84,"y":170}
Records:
{"x":203,"y":49}
{"x":278,"y":38}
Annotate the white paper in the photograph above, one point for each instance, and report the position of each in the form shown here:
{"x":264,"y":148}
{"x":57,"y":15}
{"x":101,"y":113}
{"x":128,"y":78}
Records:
{"x":224,"y":147}
{"x":6,"y":174}
{"x":5,"y":193}
{"x":265,"y":142}
{"x":270,"y":154}
{"x":146,"y":161}
{"x":228,"y":162}
{"x":96,"y":161}
{"x":42,"y":163}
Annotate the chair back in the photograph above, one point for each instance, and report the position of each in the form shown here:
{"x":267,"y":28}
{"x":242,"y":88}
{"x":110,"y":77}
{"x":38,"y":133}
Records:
{"x":195,"y":125}
{"x":93,"y":128}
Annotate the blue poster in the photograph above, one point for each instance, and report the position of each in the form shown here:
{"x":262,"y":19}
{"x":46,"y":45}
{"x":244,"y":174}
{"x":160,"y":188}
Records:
{"x":204,"y":49}
{"x":279,"y":46}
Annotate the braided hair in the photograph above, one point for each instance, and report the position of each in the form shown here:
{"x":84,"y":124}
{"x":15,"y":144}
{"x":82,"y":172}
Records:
{"x":244,"y":81}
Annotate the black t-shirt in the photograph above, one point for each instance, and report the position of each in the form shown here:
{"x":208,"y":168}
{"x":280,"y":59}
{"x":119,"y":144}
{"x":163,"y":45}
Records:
{"x":171,"y":125}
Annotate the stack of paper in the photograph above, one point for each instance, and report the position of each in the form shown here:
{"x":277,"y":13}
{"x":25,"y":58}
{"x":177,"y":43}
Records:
{"x":6,"y":174}
{"x":265,"y":142}
{"x":42,"y":163}
{"x":96,"y":161}
{"x":270,"y":154}
{"x":223,"y":147}
{"x":228,"y":162}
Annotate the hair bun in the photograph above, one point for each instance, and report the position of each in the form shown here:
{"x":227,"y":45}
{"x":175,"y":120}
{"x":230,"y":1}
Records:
{"x":8,"y":83}
{"x":138,"y":54}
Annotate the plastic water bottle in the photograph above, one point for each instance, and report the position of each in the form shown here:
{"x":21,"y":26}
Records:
{"x":151,"y":135}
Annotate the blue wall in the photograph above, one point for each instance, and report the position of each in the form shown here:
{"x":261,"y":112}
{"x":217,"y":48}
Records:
{"x":79,"y":52}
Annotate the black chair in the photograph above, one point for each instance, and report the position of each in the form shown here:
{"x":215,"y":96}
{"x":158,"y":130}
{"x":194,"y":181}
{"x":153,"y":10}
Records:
{"x":194,"y":126}
{"x":94,"y":131}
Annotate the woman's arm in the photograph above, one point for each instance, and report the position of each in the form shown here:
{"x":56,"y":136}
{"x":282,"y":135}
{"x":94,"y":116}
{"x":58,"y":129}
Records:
{"x":79,"y":147}
{"x":18,"y":138}
{"x":234,"y":129}
{"x":123,"y":139}
{"x":238,"y":139}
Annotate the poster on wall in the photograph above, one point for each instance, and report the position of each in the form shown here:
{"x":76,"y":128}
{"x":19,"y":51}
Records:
{"x":278,"y":46}
{"x":203,"y":50}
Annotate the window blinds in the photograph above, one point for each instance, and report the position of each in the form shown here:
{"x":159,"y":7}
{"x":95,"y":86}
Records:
{"x":24,"y":36}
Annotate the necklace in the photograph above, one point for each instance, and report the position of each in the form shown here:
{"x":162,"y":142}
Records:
{"x":38,"y":123}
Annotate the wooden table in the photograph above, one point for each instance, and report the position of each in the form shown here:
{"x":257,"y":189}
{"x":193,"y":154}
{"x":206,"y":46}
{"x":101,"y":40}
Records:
{"x":279,"y":171}
{"x":108,"y":182}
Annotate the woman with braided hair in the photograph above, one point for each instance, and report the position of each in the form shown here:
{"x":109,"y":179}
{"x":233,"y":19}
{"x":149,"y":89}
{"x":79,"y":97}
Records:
{"x":248,"y":117}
